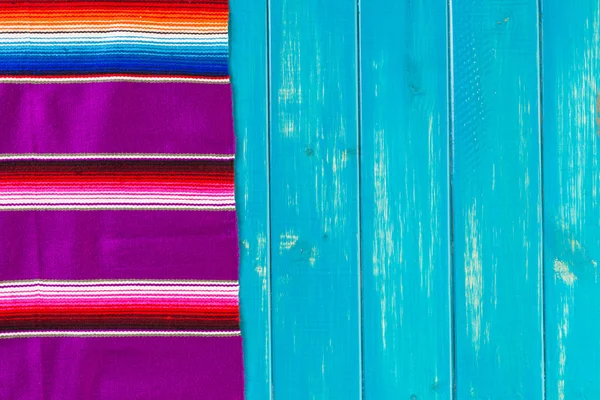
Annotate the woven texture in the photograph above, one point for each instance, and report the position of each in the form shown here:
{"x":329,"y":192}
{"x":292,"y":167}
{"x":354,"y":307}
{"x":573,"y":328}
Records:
{"x":118,"y":234}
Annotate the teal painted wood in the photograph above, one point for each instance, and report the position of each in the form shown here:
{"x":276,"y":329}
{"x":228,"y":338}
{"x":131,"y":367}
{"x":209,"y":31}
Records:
{"x":314,"y":200}
{"x":497,"y":200}
{"x":249,"y":74}
{"x":571,"y":65}
{"x":405,"y":200}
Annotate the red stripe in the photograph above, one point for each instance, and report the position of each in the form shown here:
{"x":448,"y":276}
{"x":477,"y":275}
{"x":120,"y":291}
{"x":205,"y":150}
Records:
{"x":124,"y":179}
{"x":174,"y":5}
{"x":116,"y":309}
{"x":128,"y":75}
{"x":124,"y":316}
{"x":119,"y":325}
{"x":119,"y":165}
{"x":89,"y":172}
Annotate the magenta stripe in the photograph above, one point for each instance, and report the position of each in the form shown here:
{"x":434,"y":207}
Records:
{"x":117,"y":117}
{"x":170,"y":365}
{"x":100,"y":301}
{"x":106,"y":245}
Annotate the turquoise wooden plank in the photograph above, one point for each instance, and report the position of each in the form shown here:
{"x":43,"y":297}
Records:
{"x":249,"y":74}
{"x":497,"y":200}
{"x":314,"y":200}
{"x":571,"y":65}
{"x":405,"y":201}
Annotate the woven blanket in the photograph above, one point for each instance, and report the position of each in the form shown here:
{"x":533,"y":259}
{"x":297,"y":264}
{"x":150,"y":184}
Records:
{"x":118,"y":236}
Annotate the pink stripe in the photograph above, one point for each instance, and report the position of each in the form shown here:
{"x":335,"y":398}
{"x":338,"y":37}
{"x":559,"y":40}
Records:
{"x":11,"y":187}
{"x":117,"y":304}
{"x":139,"y":191}
{"x":35,"y":294}
{"x":165,"y":304}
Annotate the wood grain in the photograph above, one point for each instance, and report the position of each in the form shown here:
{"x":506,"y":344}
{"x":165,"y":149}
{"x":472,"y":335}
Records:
{"x":497,"y":200}
{"x":338,"y":76}
{"x":249,"y":72}
{"x":571,"y":65}
{"x":314,"y":200}
{"x":405,"y":200}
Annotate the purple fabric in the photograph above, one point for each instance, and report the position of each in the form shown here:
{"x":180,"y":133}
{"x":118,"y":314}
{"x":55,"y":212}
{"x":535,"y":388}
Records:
{"x":68,"y":245}
{"x":118,"y":245}
{"x":121,"y":368}
{"x":116,"y":117}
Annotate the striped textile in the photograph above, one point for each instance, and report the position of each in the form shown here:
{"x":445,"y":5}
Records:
{"x":78,"y":41}
{"x":125,"y":307}
{"x":118,"y":234}
{"x":129,"y":182}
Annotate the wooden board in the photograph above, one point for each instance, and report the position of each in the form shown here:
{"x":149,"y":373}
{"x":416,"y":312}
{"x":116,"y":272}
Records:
{"x":429,"y":262}
{"x":249,"y":70}
{"x":571,"y":65}
{"x":314,"y":200}
{"x":497,"y":200}
{"x":405,"y":200}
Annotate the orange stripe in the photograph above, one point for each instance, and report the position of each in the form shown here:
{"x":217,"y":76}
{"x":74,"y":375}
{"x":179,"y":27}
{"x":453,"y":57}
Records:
{"x":116,"y":14}
{"x":115,"y":26}
{"x":133,"y":12}
{"x":110,"y":21}
{"x":95,"y":13}
{"x":108,"y":10}
{"x":142,"y":5}
{"x":93,"y":22}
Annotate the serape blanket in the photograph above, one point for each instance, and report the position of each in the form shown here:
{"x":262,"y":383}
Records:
{"x":118,"y":236}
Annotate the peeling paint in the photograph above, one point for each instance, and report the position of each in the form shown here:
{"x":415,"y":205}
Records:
{"x":383,"y":245}
{"x":563,"y":272}
{"x":473,"y":278}
{"x":598,"y":114}
{"x":287,"y":240}
{"x":314,"y":254}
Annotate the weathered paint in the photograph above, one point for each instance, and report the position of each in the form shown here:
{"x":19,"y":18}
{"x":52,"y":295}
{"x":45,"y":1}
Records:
{"x":314,"y":200}
{"x":404,"y":200}
{"x":336,"y":76}
{"x":248,"y":67}
{"x":571,"y":87}
{"x":497,"y":200}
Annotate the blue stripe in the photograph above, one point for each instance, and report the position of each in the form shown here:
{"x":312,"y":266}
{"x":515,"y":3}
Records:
{"x":150,"y":65}
{"x":131,"y":48}
{"x":101,"y":39}
{"x":142,"y":58}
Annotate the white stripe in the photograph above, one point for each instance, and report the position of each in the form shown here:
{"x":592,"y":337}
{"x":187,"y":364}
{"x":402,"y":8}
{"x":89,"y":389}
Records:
{"x":106,"y":42}
{"x":150,"y":197}
{"x":114,"y":156}
{"x":76,"y":36}
{"x":126,"y":282}
{"x":115,"y":207}
{"x":120,"y":287}
{"x":133,"y":21}
{"x":108,"y":291}
{"x":7,"y":335}
{"x":225,"y":297}
{"x":115,"y":78}
{"x":48,"y":191}
{"x":124,"y":290}
{"x":109,"y":201}
{"x":25,"y":47}
{"x":119,"y":25}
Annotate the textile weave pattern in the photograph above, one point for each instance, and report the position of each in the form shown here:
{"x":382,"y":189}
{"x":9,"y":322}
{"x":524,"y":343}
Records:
{"x":118,"y":234}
